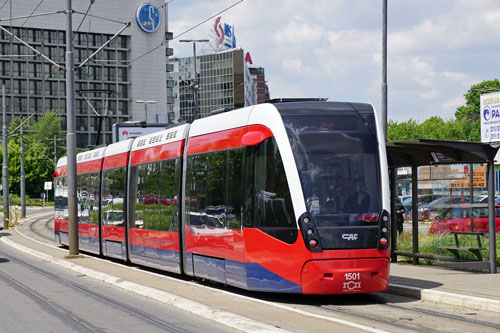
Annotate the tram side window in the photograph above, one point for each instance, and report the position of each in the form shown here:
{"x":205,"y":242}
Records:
{"x":113,"y":193}
{"x":196,"y":185}
{"x":93,"y":201}
{"x":234,"y":188}
{"x":81,"y":196}
{"x":61,"y":200}
{"x":157,"y":192}
{"x":148,"y":187}
{"x":213,"y":189}
{"x":169,"y":192}
{"x":215,"y":200}
{"x":87,"y":195}
{"x":272,"y":204}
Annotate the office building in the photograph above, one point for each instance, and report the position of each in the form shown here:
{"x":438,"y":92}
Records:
{"x":259,"y":77}
{"x":132,"y":67}
{"x":224,"y":81}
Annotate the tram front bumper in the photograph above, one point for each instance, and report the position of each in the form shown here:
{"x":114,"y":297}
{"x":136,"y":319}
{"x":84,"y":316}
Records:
{"x":345,"y":276}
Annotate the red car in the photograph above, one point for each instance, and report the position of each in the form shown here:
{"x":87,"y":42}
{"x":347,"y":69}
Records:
{"x":458,"y":219}
{"x":151,"y":199}
{"x":165,"y":201}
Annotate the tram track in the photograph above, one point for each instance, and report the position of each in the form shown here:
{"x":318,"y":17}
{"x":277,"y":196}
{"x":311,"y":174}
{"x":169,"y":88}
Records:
{"x":406,"y":322}
{"x":53,"y":308}
{"x":59,"y":310}
{"x":408,"y":318}
{"x":33,"y":228}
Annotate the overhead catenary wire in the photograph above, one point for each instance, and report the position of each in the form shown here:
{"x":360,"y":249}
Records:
{"x":30,"y":16}
{"x":185,"y":32}
{"x":100,"y":17}
{"x":4,"y":4}
{"x":31,"y":47}
{"x":83,"y":19}
{"x":33,"y":11}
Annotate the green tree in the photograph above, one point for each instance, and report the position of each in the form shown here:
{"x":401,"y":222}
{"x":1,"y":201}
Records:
{"x":38,"y":139}
{"x":402,"y":131}
{"x":466,"y":126}
{"x":469,"y":113}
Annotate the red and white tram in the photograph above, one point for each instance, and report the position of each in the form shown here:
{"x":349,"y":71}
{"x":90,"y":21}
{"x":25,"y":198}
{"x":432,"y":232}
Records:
{"x":286,"y":197}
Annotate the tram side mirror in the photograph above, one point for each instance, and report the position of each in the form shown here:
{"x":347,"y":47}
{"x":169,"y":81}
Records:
{"x":253,"y":138}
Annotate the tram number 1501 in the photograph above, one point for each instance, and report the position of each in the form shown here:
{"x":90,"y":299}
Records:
{"x":351,"y":276}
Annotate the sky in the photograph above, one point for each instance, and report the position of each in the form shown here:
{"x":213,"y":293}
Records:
{"x":436,"y":49}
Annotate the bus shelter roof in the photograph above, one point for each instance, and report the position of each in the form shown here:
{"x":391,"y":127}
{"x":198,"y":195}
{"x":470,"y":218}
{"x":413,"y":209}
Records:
{"x":420,"y":152}
{"x":430,"y":152}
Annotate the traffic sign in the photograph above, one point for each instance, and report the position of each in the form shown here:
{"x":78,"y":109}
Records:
{"x":42,"y":195}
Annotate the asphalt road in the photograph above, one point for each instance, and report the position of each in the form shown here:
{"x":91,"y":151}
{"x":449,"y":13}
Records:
{"x":37,"y":296}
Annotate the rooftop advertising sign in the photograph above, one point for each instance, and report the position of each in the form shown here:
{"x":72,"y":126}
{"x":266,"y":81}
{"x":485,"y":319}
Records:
{"x":225,"y":34}
{"x":490,"y":117}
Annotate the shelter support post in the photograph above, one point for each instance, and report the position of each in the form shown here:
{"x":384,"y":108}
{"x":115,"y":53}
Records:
{"x":491,"y":216}
{"x":414,"y":213}
{"x":394,"y":222}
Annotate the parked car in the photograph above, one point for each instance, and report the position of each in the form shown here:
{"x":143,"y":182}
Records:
{"x":151,"y":199}
{"x":484,"y":199}
{"x":423,"y":201}
{"x":458,"y":219}
{"x":433,"y":209}
{"x":165,"y":201}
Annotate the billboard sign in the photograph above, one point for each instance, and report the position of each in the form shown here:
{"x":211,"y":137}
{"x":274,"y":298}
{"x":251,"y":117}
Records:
{"x":124,"y":131}
{"x":225,"y":35}
{"x":490,"y":117}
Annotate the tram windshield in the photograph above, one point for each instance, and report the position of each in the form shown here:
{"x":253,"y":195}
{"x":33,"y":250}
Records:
{"x":338,"y":162}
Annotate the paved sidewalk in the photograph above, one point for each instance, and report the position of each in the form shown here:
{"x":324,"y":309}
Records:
{"x":479,"y":291}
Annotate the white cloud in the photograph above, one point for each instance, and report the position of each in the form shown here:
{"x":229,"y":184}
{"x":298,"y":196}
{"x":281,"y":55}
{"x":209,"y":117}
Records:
{"x":296,"y":67}
{"x":453,"y":103}
{"x":299,"y":32}
{"x":333,"y":48}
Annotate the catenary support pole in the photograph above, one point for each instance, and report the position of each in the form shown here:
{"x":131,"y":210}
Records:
{"x":491,"y":216}
{"x":384,"y":68}
{"x":55,"y":151}
{"x":195,"y":84}
{"x":414,"y":213}
{"x":23,"y":176}
{"x":394,"y":218}
{"x":71,"y":136}
{"x":5,"y":165}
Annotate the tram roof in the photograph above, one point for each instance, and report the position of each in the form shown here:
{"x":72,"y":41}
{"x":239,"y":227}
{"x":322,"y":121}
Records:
{"x":431,"y":152}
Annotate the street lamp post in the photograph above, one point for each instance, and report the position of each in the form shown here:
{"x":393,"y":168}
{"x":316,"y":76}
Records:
{"x":195,"y":77}
{"x":145,"y":106}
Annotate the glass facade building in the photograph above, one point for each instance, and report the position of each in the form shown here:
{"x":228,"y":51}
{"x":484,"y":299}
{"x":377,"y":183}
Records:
{"x":224,"y":81}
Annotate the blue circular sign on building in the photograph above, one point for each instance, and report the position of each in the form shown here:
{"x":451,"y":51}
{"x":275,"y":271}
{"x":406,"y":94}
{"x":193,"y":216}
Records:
{"x":148,"y":17}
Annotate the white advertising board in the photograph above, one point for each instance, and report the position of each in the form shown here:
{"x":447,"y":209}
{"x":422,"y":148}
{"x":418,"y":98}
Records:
{"x":124,"y":131}
{"x":490,"y":117}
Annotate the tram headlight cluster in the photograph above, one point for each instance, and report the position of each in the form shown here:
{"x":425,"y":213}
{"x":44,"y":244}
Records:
{"x":309,"y":232}
{"x":384,"y":234}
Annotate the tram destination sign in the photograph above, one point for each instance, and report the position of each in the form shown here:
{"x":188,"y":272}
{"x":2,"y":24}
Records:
{"x":490,"y":117}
